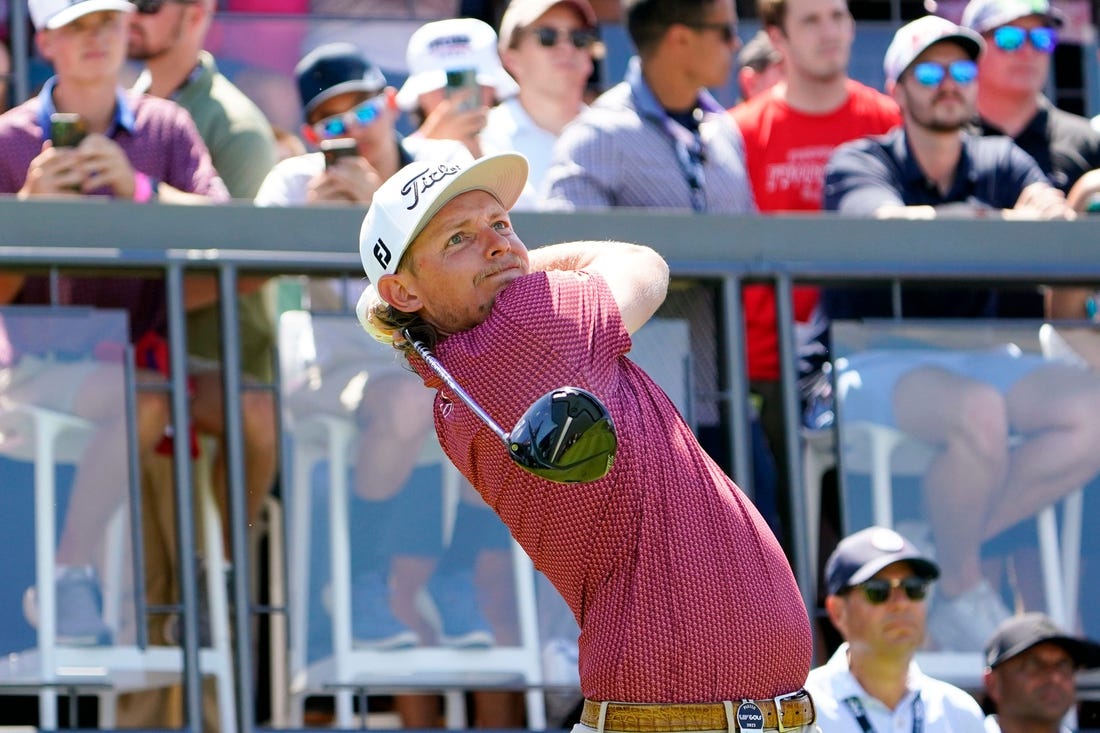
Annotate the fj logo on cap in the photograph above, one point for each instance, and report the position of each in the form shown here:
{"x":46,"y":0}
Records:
{"x":421,"y":182}
{"x":382,"y":253}
{"x":750,"y":716}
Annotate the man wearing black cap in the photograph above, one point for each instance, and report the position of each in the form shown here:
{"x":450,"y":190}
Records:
{"x":877,"y":582}
{"x":1031,"y":666}
{"x":344,"y":95}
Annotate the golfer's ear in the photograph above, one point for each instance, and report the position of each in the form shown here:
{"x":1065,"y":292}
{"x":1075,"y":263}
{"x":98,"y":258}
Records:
{"x":393,"y":290}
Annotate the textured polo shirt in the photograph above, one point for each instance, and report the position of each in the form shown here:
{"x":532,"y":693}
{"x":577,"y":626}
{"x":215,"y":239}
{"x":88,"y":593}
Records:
{"x":681,"y":591}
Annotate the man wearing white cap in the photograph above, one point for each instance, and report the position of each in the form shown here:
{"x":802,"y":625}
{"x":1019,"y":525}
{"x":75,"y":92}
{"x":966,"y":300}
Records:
{"x":549,"y":47}
{"x":1020,"y":39}
{"x":690,"y":616}
{"x":957,"y":400}
{"x":441,"y":54}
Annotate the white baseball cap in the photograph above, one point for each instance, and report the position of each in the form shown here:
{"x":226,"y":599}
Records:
{"x":51,"y":14}
{"x":406,"y":202}
{"x":983,"y":16}
{"x":913,"y":38}
{"x":449,"y":45}
{"x":522,"y":13}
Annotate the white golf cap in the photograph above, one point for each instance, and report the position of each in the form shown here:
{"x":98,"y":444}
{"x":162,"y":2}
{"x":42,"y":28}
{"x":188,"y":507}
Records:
{"x":406,"y":202}
{"x":450,"y":45}
{"x":913,"y":38}
{"x":51,"y":14}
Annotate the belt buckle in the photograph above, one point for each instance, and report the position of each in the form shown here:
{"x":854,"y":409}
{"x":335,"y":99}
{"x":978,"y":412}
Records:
{"x":778,"y":700}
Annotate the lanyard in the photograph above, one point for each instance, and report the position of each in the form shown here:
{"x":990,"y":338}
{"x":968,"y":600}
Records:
{"x":690,"y":155}
{"x":860,"y":714}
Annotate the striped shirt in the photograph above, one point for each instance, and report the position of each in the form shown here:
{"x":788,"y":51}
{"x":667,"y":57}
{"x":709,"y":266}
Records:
{"x":624,"y":151}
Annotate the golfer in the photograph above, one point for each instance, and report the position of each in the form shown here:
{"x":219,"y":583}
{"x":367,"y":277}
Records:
{"x":690,"y":616}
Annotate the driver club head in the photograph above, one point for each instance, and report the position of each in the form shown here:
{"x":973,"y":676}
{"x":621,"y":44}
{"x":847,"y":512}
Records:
{"x":565,"y":436}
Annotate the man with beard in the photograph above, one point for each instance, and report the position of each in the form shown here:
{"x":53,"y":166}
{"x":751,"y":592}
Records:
{"x":877,"y":582}
{"x":957,"y":400}
{"x":1030,"y":675}
{"x":789,"y":133}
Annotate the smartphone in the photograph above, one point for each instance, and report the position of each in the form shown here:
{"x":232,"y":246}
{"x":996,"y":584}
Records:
{"x":460,"y":80}
{"x":337,"y":148}
{"x":67,"y":129}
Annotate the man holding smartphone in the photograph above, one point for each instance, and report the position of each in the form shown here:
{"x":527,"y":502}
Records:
{"x":455,"y":76}
{"x":138,"y":148}
{"x":345,"y":97}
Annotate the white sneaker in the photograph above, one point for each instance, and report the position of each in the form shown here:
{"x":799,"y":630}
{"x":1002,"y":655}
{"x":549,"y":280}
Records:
{"x":965,"y":622}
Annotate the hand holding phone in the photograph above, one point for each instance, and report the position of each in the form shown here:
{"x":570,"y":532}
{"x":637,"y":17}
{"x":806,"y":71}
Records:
{"x":337,"y":148}
{"x":67,"y":129}
{"x":462,"y":83}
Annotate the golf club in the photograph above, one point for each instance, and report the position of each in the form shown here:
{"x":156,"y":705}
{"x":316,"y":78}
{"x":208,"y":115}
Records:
{"x":565,"y":436}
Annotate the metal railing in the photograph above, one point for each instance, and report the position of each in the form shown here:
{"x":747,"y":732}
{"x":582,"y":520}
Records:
{"x":172,"y":241}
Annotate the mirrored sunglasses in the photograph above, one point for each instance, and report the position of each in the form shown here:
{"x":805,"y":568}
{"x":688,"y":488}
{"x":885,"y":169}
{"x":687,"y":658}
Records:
{"x":1013,"y":37}
{"x":930,"y":73}
{"x":152,"y":7}
{"x":581,"y":38}
{"x":878,"y":590}
{"x":361,"y":115}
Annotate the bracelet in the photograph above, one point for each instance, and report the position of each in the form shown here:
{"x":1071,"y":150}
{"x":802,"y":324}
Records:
{"x":1092,"y":312}
{"x":145,"y":188}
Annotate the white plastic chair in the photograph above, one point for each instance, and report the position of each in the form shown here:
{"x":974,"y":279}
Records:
{"x":348,"y":670}
{"x":47,"y":438}
{"x":883,"y":452}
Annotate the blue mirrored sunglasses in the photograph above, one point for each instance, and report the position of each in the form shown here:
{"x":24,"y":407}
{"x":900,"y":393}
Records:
{"x":360,"y":115}
{"x":1012,"y":38}
{"x":930,"y":73}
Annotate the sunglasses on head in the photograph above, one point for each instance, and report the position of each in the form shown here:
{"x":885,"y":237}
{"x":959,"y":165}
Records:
{"x":878,"y":590}
{"x":151,"y":7}
{"x":581,"y":38}
{"x":1012,"y":38}
{"x":930,"y":73}
{"x":360,"y":115}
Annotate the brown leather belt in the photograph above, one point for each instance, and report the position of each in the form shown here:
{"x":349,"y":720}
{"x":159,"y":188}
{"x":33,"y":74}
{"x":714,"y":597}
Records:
{"x":781,"y":713}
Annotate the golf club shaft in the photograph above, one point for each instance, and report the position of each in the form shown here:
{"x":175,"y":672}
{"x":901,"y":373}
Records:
{"x":441,"y":371}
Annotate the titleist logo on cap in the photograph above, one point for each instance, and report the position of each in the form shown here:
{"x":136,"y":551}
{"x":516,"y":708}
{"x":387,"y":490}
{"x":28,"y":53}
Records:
{"x":421,"y":182}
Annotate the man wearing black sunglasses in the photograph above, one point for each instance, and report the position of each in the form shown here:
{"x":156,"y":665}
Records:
{"x":1020,"y":38}
{"x":877,"y":582}
{"x":549,"y":47}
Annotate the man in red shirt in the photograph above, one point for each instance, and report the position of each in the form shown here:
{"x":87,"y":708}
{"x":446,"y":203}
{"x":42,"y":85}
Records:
{"x":789,"y":132}
{"x":682,"y":593}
